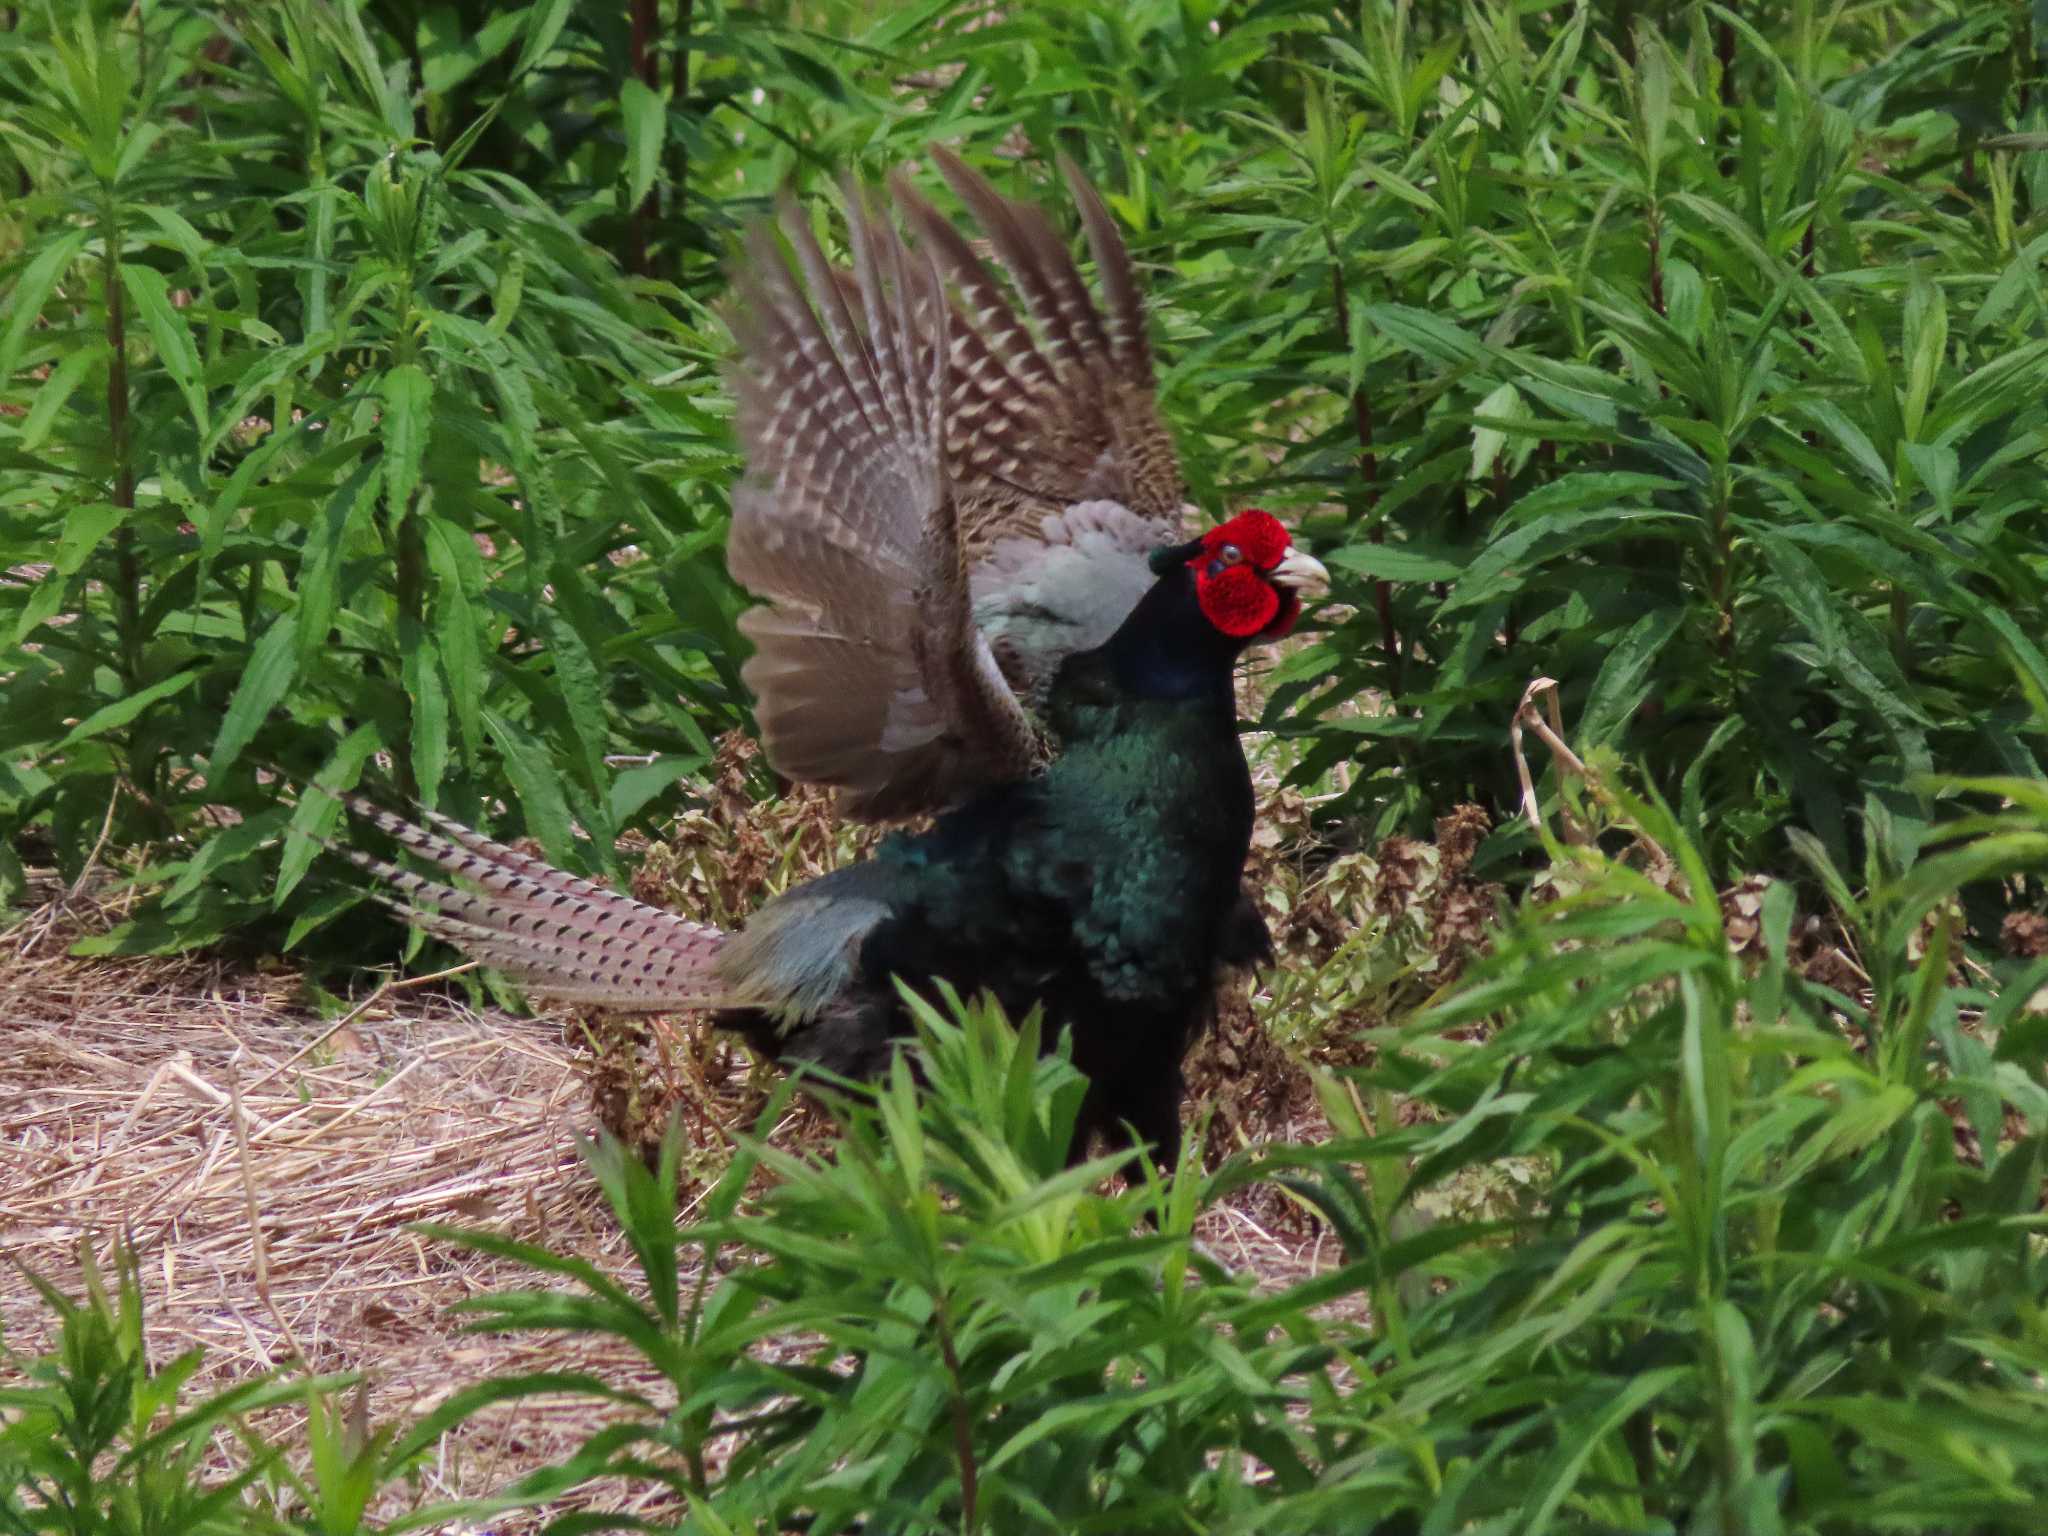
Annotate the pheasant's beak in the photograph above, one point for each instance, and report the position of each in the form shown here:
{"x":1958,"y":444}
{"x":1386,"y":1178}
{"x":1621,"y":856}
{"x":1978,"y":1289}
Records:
{"x":1301,"y":574}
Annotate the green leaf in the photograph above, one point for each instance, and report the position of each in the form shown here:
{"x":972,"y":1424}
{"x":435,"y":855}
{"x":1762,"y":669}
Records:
{"x":633,"y":787}
{"x":1431,"y":336}
{"x":408,"y":396}
{"x":544,"y":23}
{"x":327,"y":542}
{"x":450,"y":53}
{"x":273,"y":663}
{"x":1505,"y":403}
{"x":1829,"y":621}
{"x":1394,"y":562}
{"x":175,"y":349}
{"x":429,"y":699}
{"x":578,"y":681}
{"x":1590,"y":1418}
{"x":86,"y":527}
{"x":124,"y":709}
{"x":318,"y":810}
{"x":1625,"y":677}
{"x":646,"y":119}
{"x":179,"y":234}
{"x":1926,"y":341}
{"x":533,"y":776}
{"x":31,"y":291}
{"x":54,"y":391}
{"x":1507,"y":563}
{"x":458,"y":574}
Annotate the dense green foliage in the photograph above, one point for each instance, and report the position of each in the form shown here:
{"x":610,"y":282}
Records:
{"x":360,"y":421}
{"x":1765,"y":1277}
{"x":362,"y":410}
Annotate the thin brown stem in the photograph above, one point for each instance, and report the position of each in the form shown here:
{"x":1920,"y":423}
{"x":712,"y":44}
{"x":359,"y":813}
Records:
{"x":1724,"y":560}
{"x":1656,"y":263}
{"x":643,"y":64}
{"x":21,"y":175}
{"x":679,"y":90}
{"x":1724,"y":50}
{"x":1805,"y":314}
{"x":411,"y":577}
{"x":1510,"y":627}
{"x":128,"y":564}
{"x":1368,"y":472}
{"x":963,"y":1422}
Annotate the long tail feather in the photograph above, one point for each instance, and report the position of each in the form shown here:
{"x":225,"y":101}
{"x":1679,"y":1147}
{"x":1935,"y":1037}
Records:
{"x":555,"y":934}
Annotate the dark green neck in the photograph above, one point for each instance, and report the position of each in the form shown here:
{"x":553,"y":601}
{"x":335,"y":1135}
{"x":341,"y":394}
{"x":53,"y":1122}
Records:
{"x":1167,"y":648}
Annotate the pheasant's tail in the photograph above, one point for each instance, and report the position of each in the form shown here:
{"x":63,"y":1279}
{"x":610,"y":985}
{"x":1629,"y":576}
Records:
{"x":555,"y":934}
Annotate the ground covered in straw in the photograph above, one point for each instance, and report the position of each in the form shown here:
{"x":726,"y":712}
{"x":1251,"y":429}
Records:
{"x":269,"y":1169}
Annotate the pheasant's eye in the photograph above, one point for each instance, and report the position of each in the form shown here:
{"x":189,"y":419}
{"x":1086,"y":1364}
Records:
{"x":1229,"y":554}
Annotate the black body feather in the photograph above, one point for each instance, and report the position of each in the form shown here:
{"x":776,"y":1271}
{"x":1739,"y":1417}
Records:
{"x":1105,"y":888}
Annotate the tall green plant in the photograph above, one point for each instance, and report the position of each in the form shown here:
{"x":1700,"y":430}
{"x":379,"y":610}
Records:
{"x":1705,"y":368}
{"x":966,"y":1334}
{"x":1775,"y":1265}
{"x":334,"y":449}
{"x":1690,"y":355}
{"x":1781,"y":1267}
{"x":95,"y":1438}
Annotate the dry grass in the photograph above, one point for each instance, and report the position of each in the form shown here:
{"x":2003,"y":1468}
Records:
{"x":268,"y":1169}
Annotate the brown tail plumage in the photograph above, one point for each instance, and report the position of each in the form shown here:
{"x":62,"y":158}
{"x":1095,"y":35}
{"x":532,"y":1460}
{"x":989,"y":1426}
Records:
{"x":555,"y":934}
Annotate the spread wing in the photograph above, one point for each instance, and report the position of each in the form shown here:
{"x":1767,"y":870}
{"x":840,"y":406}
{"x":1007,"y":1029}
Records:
{"x":943,"y":497}
{"x":1038,"y":422}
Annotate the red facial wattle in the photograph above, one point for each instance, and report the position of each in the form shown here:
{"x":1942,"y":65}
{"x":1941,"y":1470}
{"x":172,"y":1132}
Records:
{"x":1238,"y":601}
{"x":1230,"y":579}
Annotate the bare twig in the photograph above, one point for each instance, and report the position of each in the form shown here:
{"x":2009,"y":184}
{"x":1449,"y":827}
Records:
{"x":1552,"y":734}
{"x":259,"y":1250}
{"x":357,"y":1012}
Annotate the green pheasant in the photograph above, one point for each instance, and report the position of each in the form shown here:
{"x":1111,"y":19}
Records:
{"x":982,"y":601}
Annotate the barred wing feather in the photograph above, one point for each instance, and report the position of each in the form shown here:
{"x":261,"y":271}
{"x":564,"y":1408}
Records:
{"x":943,"y":496}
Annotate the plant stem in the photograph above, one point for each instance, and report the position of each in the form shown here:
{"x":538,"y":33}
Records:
{"x":1806,"y":314}
{"x":1724,"y":558}
{"x":641,"y":60}
{"x":411,"y":575}
{"x":1510,"y":630}
{"x":409,"y":545}
{"x":963,"y":1423}
{"x":1724,"y":49}
{"x":679,"y":90}
{"x":128,"y":565}
{"x":1656,"y":263}
{"x":1368,"y":470}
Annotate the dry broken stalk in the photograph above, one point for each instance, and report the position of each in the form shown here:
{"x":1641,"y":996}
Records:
{"x":259,"y":1251}
{"x":1568,"y":761}
{"x":1551,"y":732}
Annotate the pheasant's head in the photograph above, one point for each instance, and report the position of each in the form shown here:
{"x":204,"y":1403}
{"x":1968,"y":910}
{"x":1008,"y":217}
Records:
{"x":1249,"y":579}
